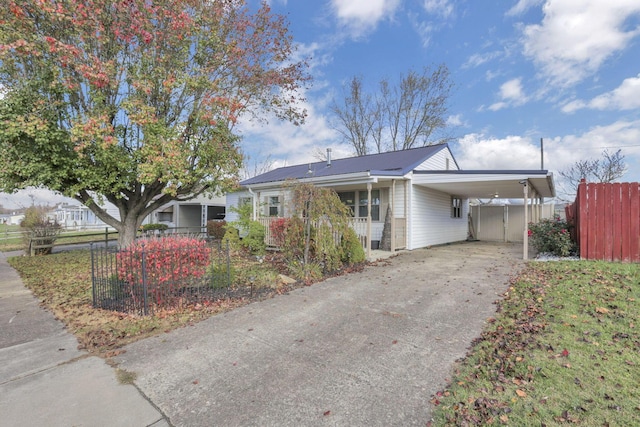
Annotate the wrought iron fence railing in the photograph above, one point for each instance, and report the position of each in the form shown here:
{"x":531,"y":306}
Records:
{"x":159,"y":272}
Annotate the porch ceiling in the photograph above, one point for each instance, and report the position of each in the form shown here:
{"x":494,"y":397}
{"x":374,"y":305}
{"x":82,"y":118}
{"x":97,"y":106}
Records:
{"x":487,"y":184}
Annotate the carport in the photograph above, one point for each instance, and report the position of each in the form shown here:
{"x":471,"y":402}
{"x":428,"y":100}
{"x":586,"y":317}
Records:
{"x":530,"y":185}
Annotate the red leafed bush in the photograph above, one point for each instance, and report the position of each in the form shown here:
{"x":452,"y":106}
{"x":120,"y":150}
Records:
{"x":216,"y":229}
{"x":170,"y":263}
{"x":278,"y":228}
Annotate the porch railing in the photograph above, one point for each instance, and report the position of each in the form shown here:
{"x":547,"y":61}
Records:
{"x":359,"y":225}
{"x":269,"y":239}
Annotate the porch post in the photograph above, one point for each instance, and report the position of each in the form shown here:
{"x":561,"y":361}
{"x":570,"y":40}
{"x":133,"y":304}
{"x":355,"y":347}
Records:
{"x":406,"y":214}
{"x":393,"y":219}
{"x":256,"y":205}
{"x":368,"y":220}
{"x":525,"y":247}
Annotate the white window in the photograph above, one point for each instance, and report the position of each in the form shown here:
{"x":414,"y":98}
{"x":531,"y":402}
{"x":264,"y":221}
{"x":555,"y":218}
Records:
{"x":375,"y":204}
{"x":274,"y":206}
{"x":349,"y":198}
{"x":456,"y":207}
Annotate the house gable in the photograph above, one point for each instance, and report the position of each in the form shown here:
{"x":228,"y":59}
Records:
{"x":443,"y":160}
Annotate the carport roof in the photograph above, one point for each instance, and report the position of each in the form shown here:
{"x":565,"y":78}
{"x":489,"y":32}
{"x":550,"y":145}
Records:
{"x":483,"y":184}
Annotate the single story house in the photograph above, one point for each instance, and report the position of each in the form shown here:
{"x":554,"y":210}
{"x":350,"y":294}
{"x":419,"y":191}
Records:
{"x":190,"y":215}
{"x":78,"y":216}
{"x":422,"y":191}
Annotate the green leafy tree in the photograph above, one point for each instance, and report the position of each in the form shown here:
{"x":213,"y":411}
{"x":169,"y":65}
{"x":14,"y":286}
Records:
{"x":134,"y":101}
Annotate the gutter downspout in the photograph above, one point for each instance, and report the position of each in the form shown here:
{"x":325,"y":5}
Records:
{"x":525,"y":245}
{"x":253,"y":204}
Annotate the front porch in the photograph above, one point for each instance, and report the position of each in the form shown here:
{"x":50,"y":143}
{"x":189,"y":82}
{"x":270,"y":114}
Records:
{"x":379,"y":212}
{"x":362,"y":227}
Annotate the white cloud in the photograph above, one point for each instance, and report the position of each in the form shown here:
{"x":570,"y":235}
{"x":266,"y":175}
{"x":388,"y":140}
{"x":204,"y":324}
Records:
{"x":522,"y":6}
{"x":490,"y":75}
{"x":424,"y":29}
{"x":443,"y":8}
{"x":478,"y":59}
{"x":512,"y":90}
{"x":361,"y":16}
{"x":511,"y":94}
{"x":289,"y":144}
{"x":624,"y":97}
{"x":478,"y":151}
{"x":577,"y":36}
{"x":456,"y":120}
{"x":496,"y":106}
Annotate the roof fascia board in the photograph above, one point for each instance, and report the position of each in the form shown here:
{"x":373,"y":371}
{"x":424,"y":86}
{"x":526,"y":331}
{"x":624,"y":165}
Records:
{"x":324,"y":180}
{"x":444,"y":178}
{"x":533,"y":172}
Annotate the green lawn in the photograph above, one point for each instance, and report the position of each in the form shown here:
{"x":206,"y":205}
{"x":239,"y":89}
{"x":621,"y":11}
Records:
{"x":563,"y":350}
{"x":11,"y":237}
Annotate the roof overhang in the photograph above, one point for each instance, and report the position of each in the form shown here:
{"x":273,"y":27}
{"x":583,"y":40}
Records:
{"x":332,"y":180}
{"x":487,"y":184}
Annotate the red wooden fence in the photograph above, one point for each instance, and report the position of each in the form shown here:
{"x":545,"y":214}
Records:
{"x":607,"y":219}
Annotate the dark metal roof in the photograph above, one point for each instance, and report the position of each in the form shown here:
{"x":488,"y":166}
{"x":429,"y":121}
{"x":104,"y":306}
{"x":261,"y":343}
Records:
{"x":395,"y":163}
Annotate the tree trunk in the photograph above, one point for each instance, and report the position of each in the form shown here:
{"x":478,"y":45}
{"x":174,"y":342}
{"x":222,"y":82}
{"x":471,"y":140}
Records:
{"x":127,"y":231}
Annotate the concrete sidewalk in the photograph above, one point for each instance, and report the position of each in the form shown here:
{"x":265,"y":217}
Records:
{"x":46,"y":380}
{"x":365,"y":349}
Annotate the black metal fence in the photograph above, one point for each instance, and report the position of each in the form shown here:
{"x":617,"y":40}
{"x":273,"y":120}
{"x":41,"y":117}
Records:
{"x":159,"y":272}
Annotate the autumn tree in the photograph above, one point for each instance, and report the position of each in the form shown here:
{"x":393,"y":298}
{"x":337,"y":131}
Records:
{"x":412,"y":113}
{"x":134,"y":102}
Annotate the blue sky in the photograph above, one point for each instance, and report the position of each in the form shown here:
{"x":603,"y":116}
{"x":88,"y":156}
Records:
{"x":567,"y":71}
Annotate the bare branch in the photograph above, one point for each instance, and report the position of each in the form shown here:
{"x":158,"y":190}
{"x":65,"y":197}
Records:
{"x":609,"y":168}
{"x":400,"y":117}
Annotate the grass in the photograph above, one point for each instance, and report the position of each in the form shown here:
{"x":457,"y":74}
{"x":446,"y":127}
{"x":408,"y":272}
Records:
{"x":62,"y":281}
{"x":564,"y":349}
{"x":11,"y":237}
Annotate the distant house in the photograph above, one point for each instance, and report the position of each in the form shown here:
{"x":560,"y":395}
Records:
{"x":15,"y":219}
{"x":423,"y":189}
{"x":190,"y":215}
{"x":78,"y":216}
{"x":11,"y":219}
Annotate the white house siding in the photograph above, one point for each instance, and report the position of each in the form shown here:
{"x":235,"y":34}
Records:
{"x":431,"y":221}
{"x":398,"y":202}
{"x":232,"y":202}
{"x":438,"y":162}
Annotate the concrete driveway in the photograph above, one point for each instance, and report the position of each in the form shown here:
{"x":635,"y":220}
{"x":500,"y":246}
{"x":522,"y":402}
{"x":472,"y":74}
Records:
{"x":364,"y":349}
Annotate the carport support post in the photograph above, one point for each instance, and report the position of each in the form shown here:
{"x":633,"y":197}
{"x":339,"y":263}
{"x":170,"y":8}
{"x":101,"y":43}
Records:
{"x":368,"y":220}
{"x":525,"y":248}
{"x":393,"y":219}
